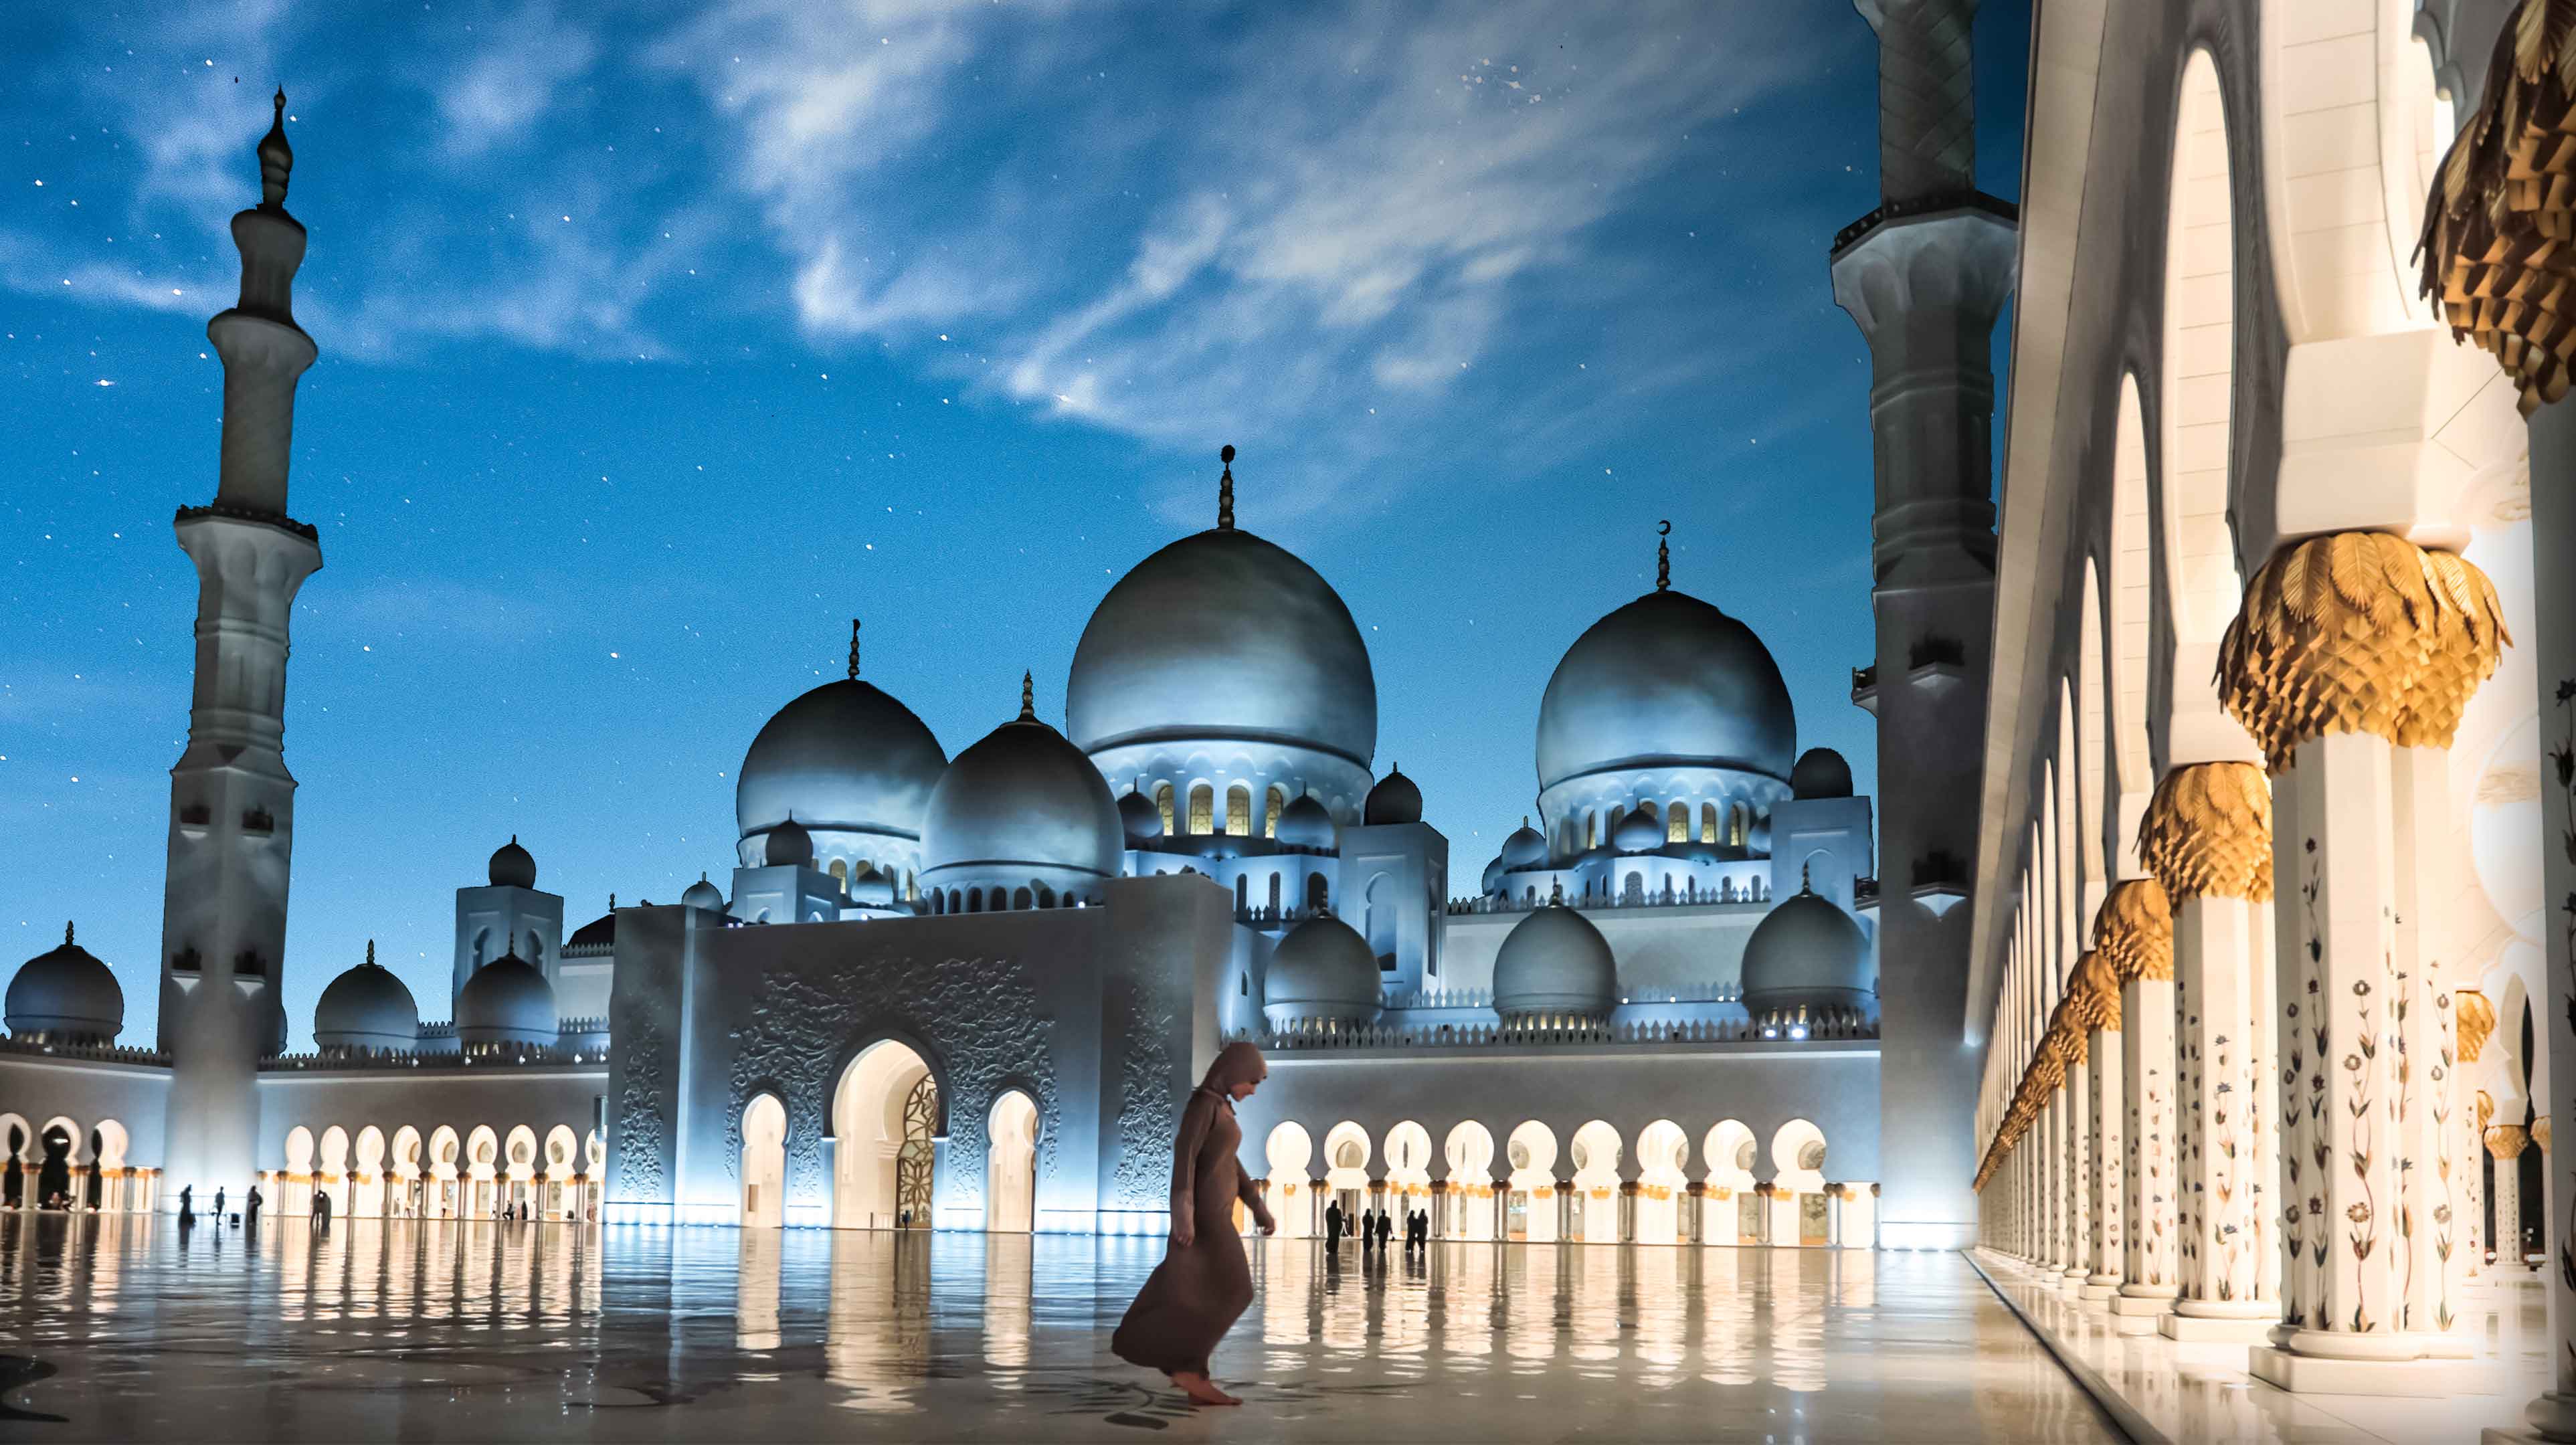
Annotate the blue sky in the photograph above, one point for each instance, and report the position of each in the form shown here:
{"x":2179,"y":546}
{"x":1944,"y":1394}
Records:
{"x":658,"y":341}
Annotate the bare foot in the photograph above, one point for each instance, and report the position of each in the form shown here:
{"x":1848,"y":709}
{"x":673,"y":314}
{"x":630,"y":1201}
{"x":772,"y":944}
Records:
{"x":1202,"y":1390}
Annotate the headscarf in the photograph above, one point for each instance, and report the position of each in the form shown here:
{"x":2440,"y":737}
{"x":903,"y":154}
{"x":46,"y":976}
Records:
{"x":1236,"y":1063}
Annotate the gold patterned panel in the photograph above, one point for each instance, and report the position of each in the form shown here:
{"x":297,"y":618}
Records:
{"x":2477,"y":1021}
{"x":2208,"y":831}
{"x":2358,"y":632}
{"x":2134,"y":931}
{"x":2498,"y":221}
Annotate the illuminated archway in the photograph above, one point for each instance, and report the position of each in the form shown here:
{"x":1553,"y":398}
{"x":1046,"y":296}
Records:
{"x":1011,"y":1164}
{"x":871,"y":1166}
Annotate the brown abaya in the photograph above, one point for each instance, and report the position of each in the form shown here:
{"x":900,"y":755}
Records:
{"x":1200,"y":1289}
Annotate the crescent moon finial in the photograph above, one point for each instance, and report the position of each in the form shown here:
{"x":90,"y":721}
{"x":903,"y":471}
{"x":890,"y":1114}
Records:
{"x":1664,"y":557}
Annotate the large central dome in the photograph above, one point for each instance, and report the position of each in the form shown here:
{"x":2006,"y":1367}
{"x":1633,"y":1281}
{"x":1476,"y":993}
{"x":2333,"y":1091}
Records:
{"x":1223,"y":635}
{"x":1666,"y":681}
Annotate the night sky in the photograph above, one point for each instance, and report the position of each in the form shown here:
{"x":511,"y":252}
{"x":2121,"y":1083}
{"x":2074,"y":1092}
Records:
{"x":659,"y":341}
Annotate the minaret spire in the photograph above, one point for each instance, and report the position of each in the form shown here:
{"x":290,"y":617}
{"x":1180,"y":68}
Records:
{"x":1225,"y":490}
{"x":276,"y":158}
{"x":854,"y":649}
{"x":1664,"y":557}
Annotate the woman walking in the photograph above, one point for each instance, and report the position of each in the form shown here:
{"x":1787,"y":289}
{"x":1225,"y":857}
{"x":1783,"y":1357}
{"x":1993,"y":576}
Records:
{"x":1204,"y":1282}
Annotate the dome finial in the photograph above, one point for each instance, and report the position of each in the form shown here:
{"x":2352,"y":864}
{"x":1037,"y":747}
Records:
{"x":854,"y":649}
{"x":1028,"y":697}
{"x":67,"y":933}
{"x":371,"y":953}
{"x":1805,"y":882}
{"x":1225,"y":490}
{"x":1664,"y":557}
{"x":276,"y":157}
{"x":1556,"y":893}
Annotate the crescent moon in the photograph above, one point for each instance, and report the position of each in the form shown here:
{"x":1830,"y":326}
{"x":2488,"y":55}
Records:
{"x":1665,"y":530}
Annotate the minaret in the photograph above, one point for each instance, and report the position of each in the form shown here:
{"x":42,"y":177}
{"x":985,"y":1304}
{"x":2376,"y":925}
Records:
{"x":232,"y":802}
{"x":1925,"y":275}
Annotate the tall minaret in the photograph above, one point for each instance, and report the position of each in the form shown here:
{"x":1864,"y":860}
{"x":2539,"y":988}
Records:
{"x":1925,"y":275}
{"x":232,"y":802}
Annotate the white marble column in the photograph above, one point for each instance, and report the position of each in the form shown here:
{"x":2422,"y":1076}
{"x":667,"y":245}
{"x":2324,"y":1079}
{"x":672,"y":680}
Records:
{"x":2076,"y":1099}
{"x":2207,"y":838}
{"x":2427,"y":1048}
{"x":2505,"y":1143}
{"x":2135,"y":933}
{"x":2106,"y":1124}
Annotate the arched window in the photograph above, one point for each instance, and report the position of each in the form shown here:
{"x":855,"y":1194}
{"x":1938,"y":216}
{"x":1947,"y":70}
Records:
{"x":1274,"y":894}
{"x":1242,"y":891}
{"x":1238,"y":811}
{"x":1377,"y":920}
{"x":974,"y":900}
{"x":840,"y":872}
{"x":1023,"y":899}
{"x":1738,"y":824}
{"x":1319,"y":894}
{"x":1202,"y":809}
{"x":1046,"y":896}
{"x":1591,"y":830}
{"x":482,"y":947}
{"x":1278,"y":799}
{"x":956,"y":901}
{"x":1708,"y":822}
{"x":1677,"y":822}
{"x":1163,"y":804}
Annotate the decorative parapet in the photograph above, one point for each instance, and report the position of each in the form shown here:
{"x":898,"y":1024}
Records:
{"x":279,"y":520}
{"x":380,"y":1062}
{"x":101,"y":1053}
{"x":1324,"y":1034}
{"x":1757,"y":891}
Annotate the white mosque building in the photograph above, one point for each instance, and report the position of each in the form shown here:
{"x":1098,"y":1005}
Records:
{"x":969,"y":991}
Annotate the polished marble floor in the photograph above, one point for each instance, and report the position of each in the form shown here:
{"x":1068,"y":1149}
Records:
{"x":118,"y":1329}
{"x":2206,"y":1392}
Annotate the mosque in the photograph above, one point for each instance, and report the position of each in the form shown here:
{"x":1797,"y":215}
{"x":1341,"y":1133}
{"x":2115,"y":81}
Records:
{"x":969,"y":991}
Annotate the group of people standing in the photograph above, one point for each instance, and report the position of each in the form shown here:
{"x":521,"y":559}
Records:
{"x":1375,"y":1227}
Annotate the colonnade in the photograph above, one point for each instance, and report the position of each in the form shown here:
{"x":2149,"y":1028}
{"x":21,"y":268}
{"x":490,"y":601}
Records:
{"x":2225,"y":1096}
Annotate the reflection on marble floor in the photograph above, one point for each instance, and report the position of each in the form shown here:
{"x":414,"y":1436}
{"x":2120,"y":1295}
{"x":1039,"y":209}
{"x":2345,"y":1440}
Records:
{"x":433,"y":1331}
{"x":2204,"y":1391}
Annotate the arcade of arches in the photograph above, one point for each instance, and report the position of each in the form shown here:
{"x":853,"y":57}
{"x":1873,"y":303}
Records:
{"x":1742,"y":1190}
{"x":62,"y":1165}
{"x":478,"y":1173}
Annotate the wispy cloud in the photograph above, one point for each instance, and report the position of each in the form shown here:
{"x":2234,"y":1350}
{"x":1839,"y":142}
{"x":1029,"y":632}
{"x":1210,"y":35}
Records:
{"x":1312,"y":223}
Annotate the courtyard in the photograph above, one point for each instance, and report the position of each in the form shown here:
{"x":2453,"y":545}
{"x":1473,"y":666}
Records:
{"x":117,"y":1328}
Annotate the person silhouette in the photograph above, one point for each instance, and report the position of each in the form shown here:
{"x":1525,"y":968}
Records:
{"x":1204,"y":1283}
{"x":250,"y":1208}
{"x":188,"y":1204}
{"x":219,"y":1209}
{"x":1368,"y":1232}
{"x":1333,"y":1223}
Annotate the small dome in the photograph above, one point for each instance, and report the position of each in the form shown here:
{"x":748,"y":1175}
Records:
{"x":1806,"y":952}
{"x":703,"y":894}
{"x":1305,"y":823}
{"x":872,"y":888}
{"x":1821,"y":773}
{"x":1638,"y":832}
{"x":369,"y":1009}
{"x":1757,"y":839}
{"x":788,"y":846}
{"x":1323,"y":970}
{"x":512,"y":866}
{"x":843,"y":757}
{"x":599,"y":932}
{"x":1555,"y":962}
{"x":506,"y":1002}
{"x":1493,"y":879}
{"x":1022,"y":799}
{"x":1139,"y":818}
{"x":1525,"y":848}
{"x":1395,"y":799}
{"x":66,"y":993}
